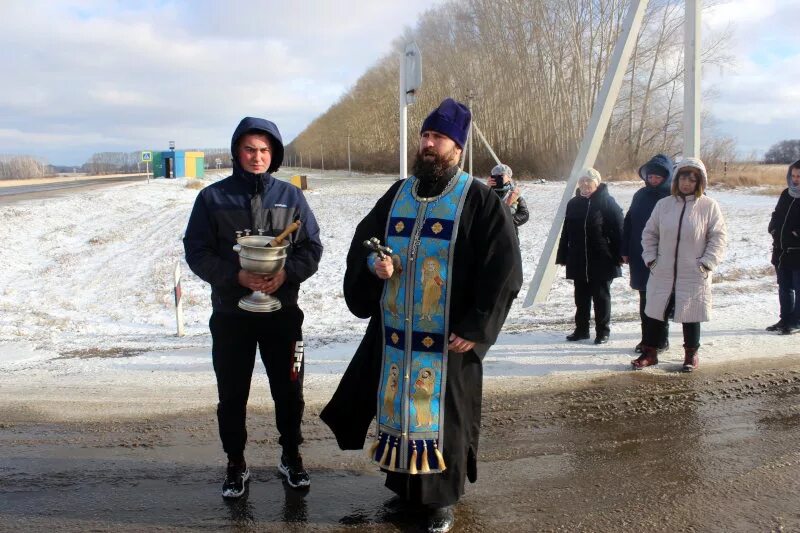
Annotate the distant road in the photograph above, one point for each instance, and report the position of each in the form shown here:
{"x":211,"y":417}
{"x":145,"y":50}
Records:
{"x":13,"y":190}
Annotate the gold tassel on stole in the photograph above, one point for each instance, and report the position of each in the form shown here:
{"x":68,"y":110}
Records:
{"x":392,"y":468}
{"x":439,"y":457}
{"x":412,"y":467}
{"x":374,"y":447}
{"x":425,"y":466}
{"x":385,"y":451}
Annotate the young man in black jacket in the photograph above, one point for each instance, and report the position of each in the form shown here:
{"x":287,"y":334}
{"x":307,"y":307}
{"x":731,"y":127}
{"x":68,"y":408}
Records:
{"x":252,"y":199}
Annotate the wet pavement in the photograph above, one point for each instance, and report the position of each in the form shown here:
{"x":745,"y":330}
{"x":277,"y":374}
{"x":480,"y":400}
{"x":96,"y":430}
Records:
{"x":717,"y":450}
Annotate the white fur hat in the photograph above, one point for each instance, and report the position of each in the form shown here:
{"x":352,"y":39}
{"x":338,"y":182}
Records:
{"x":592,"y":174}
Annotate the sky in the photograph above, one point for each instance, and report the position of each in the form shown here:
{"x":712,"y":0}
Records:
{"x":86,"y":76}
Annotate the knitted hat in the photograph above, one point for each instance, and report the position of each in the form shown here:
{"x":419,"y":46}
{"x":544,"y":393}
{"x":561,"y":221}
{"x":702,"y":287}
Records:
{"x":592,"y":174}
{"x":451,"y":118}
{"x":657,"y":170}
{"x":502,"y":169}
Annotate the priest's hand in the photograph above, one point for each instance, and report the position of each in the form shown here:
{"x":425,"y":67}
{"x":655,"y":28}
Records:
{"x":274,"y":282}
{"x":459,"y":345}
{"x":384,"y":267}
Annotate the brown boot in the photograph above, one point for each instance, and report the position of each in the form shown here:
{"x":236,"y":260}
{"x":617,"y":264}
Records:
{"x":690,"y":359}
{"x":649,"y":357}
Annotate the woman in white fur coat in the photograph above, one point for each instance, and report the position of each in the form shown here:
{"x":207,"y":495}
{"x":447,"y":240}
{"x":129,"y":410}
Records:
{"x":683,"y":243}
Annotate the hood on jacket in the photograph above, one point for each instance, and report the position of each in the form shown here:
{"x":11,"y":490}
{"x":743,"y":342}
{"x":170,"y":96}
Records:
{"x":260,"y":125}
{"x":696,"y":164}
{"x":663,"y":161}
{"x":794,"y":190}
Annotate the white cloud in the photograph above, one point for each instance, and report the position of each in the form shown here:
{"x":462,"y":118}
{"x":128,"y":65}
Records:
{"x":757,"y":98}
{"x":85,"y":75}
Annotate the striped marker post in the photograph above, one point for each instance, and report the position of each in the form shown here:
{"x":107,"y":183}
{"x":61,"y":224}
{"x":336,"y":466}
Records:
{"x":178,"y":300}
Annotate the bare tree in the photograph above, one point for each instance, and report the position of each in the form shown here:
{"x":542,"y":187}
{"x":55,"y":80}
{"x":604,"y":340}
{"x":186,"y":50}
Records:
{"x":535,"y":68}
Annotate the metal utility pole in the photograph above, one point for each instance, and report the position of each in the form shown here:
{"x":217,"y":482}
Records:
{"x":691,"y":82}
{"x":546,"y":269}
{"x":349,"y":168}
{"x":470,"y":97}
{"x":321,"y":158}
{"x":410,"y":80}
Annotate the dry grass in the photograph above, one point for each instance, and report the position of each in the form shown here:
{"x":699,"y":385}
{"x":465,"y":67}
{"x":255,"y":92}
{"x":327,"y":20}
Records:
{"x":771,"y":177}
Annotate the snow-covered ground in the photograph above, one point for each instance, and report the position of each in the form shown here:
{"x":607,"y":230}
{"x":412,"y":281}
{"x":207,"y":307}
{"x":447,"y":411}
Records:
{"x":86,"y":292}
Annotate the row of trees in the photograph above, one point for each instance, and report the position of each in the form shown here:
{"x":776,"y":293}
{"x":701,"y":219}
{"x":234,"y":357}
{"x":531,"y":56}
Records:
{"x":784,"y":152}
{"x":22,"y":166}
{"x":534,"y":68}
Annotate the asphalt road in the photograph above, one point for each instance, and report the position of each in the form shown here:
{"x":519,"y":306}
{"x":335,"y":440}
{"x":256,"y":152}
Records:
{"x":716,"y":450}
{"x":58,"y":188}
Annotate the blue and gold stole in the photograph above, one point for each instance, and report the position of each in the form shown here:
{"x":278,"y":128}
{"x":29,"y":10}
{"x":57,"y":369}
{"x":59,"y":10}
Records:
{"x":415,"y":310}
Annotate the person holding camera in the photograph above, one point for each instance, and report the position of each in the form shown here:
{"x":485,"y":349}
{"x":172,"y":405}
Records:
{"x":501,"y":184}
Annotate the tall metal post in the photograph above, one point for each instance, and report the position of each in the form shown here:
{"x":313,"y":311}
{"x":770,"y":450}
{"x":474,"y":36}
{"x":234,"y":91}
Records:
{"x":321,"y":159}
{"x":470,"y":98}
{"x":403,"y":119}
{"x":546,"y":269}
{"x":349,"y":168}
{"x":691,"y":82}
{"x":410,"y":80}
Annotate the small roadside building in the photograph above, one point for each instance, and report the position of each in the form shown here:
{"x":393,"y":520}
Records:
{"x":178,"y":164}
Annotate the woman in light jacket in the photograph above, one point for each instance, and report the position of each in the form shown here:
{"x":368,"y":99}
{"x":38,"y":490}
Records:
{"x":682,"y":244}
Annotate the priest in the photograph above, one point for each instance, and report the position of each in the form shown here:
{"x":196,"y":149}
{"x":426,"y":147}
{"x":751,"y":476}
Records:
{"x":436,"y":293}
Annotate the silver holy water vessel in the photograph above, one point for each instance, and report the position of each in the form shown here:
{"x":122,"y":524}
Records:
{"x":256,"y":257}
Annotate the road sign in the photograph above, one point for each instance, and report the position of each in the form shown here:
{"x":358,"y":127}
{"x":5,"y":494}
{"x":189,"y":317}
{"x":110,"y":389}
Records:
{"x":412,"y":73}
{"x":147,"y":156}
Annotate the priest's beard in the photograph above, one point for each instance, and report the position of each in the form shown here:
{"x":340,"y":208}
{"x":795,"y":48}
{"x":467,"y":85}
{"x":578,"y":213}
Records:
{"x":433,"y":173}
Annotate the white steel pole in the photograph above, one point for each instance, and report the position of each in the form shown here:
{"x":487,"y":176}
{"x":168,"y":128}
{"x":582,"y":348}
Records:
{"x":691,"y":82}
{"x":403,"y":118}
{"x":546,"y":269}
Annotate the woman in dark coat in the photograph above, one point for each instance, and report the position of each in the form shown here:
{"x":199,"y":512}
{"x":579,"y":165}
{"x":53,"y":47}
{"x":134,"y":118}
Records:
{"x":657,"y":177}
{"x":784,"y":226}
{"x":590,"y":249}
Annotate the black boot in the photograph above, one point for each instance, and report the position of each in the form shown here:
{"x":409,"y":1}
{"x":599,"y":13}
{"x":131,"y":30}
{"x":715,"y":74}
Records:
{"x":578,"y":335}
{"x":777,"y":326}
{"x":441,"y":519}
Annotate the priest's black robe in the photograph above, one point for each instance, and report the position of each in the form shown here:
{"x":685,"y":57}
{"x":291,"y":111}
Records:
{"x":486,"y":277}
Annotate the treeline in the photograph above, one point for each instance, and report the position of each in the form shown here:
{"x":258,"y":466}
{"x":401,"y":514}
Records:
{"x":534,"y":68}
{"x":783,"y":152}
{"x":22,"y":166}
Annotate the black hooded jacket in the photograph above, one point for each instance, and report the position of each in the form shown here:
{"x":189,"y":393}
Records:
{"x":591,"y":237}
{"x":784,"y":226}
{"x":225,"y":207}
